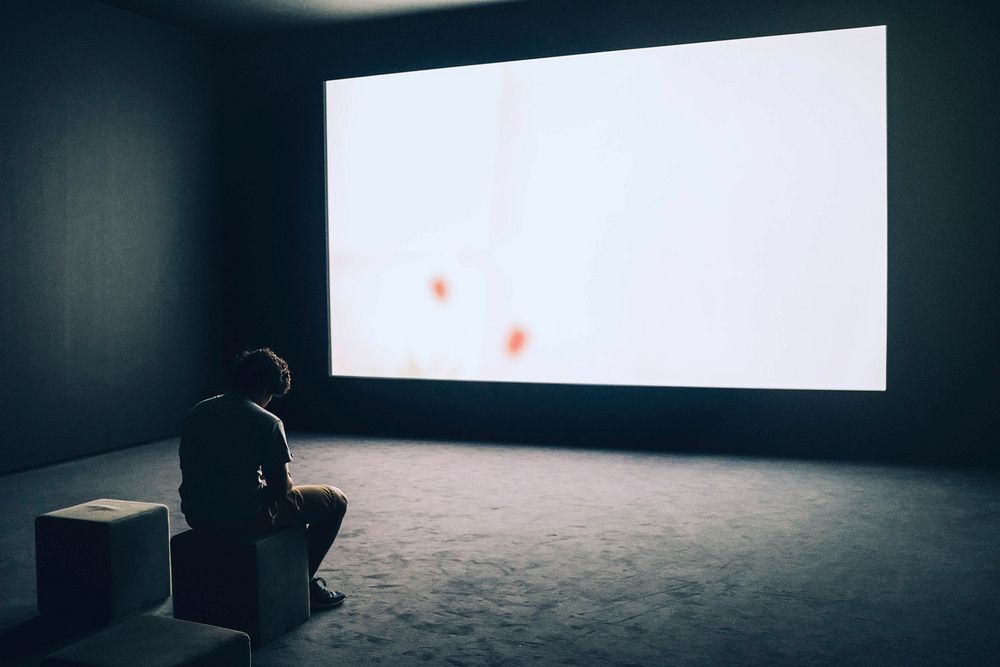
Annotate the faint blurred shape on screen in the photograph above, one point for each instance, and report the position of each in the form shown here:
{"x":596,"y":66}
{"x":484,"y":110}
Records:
{"x":515,"y":341}
{"x":439,"y":287}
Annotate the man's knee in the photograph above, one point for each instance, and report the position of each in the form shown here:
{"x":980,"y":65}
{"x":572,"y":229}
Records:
{"x":338,"y":501}
{"x":320,"y":503}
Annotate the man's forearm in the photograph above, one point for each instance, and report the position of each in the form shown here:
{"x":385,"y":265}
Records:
{"x":278,"y":483}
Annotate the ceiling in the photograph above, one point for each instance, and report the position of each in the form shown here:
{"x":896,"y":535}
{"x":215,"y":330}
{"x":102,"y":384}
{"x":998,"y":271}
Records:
{"x":228,"y":16}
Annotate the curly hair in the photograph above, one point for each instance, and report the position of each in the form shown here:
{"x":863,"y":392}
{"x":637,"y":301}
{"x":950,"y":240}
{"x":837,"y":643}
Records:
{"x":256,"y":371}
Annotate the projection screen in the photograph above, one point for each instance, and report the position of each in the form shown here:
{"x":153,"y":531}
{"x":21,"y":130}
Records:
{"x":702,"y":215}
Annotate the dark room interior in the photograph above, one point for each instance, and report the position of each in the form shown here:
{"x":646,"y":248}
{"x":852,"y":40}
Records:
{"x":162,"y":207}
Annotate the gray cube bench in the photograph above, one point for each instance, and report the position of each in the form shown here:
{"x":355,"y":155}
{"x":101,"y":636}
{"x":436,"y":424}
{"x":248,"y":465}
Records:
{"x":102,"y":560}
{"x":258,"y":584}
{"x":155,"y":641}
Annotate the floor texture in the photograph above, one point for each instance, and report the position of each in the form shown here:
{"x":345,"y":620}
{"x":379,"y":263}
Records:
{"x":506,"y":555}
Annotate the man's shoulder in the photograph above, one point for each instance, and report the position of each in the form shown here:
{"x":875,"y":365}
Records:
{"x":265,"y":416}
{"x":232,"y":406}
{"x":207,"y":407}
{"x":207,"y":403}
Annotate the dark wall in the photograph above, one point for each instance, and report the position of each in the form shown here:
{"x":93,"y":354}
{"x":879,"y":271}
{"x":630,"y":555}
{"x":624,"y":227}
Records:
{"x":944,"y":236}
{"x":107,"y":191}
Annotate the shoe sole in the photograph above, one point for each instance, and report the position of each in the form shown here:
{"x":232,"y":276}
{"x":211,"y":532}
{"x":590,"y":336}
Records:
{"x":330,"y":605}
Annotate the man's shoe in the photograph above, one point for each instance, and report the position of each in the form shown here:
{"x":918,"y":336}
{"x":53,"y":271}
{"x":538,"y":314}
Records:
{"x":321,"y":597}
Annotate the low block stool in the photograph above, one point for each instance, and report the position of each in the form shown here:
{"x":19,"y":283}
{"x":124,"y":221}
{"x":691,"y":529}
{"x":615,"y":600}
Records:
{"x":155,"y":641}
{"x":258,"y":584}
{"x":102,"y":560}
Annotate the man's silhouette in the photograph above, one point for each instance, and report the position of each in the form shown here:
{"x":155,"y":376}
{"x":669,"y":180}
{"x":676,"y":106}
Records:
{"x":234,"y":468}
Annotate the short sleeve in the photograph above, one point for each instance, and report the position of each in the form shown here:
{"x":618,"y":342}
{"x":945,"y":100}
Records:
{"x":275,"y":451}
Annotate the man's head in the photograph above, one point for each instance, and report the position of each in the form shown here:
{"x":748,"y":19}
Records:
{"x":261,"y":374}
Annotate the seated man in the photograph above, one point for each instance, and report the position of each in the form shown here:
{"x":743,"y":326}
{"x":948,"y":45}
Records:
{"x":234,"y":468}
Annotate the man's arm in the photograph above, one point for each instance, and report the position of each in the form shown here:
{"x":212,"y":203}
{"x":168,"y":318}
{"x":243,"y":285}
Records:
{"x":278,"y":480}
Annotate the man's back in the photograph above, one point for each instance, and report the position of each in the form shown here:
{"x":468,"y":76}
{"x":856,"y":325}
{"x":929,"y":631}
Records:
{"x":225,"y":441}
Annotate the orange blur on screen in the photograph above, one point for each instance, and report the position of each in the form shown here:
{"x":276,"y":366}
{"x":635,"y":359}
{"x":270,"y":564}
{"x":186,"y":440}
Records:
{"x":515,"y":341}
{"x":440,"y":289}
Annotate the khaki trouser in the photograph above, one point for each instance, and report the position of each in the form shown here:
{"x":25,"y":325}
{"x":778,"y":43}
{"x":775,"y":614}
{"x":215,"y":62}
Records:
{"x":320,"y":508}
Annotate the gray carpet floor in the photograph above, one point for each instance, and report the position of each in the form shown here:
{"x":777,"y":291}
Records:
{"x":478,"y":554}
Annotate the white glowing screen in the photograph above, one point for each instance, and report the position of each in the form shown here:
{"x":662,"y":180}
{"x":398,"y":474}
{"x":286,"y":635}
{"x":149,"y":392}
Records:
{"x":707,"y":215}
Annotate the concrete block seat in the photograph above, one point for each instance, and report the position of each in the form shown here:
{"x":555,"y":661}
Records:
{"x":102,"y":560}
{"x":258,"y":584}
{"x":155,"y":641}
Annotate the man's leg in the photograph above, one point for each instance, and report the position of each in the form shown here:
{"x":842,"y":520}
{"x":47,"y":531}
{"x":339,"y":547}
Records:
{"x":322,"y":509}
